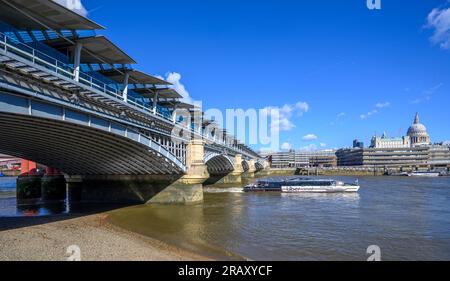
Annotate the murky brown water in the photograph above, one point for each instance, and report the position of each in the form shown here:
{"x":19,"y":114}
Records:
{"x":408,"y":218}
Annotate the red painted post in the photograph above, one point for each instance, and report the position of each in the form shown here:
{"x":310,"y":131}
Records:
{"x":24,"y":168}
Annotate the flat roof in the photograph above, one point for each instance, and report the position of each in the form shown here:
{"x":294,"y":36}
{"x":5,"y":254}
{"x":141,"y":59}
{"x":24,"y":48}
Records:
{"x":48,"y":12}
{"x":165,"y":93}
{"x":100,"y":50}
{"x":136,"y":76}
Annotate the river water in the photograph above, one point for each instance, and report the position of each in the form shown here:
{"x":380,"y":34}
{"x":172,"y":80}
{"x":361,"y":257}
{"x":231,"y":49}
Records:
{"x":408,"y":218}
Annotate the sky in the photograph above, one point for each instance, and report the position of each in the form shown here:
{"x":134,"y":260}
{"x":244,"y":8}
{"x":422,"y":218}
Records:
{"x":337,"y":70}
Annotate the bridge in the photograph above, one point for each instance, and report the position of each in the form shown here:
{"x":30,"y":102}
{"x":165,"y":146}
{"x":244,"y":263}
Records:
{"x":72,"y":100}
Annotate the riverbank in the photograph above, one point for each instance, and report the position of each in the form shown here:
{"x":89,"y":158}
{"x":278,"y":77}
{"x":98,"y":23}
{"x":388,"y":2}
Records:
{"x":99,"y":240}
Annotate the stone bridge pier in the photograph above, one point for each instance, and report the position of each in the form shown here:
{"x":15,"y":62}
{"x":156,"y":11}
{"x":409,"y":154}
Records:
{"x":161,"y":189}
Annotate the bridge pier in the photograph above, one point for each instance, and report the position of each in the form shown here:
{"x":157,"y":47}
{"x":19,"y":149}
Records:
{"x":74,"y":186}
{"x":150,"y":189}
{"x":53,"y":185}
{"x":28,"y":183}
{"x":189,"y":188}
{"x":250,"y":173}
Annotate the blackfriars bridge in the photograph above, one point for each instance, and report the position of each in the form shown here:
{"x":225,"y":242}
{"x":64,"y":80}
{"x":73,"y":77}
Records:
{"x":70,"y":100}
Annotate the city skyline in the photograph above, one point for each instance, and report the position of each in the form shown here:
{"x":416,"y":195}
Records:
{"x":359,"y":71}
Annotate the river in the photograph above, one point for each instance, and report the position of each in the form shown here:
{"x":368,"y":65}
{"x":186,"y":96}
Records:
{"x":408,"y":218}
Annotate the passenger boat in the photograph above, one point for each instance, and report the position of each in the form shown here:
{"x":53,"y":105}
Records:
{"x":303,"y":185}
{"x":425,"y":174}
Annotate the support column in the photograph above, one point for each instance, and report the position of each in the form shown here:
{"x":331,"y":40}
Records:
{"x":155,"y":101}
{"x":28,"y":182}
{"x":53,"y":186}
{"x":77,"y":61}
{"x":74,"y":186}
{"x":125,"y":86}
{"x":189,"y":188}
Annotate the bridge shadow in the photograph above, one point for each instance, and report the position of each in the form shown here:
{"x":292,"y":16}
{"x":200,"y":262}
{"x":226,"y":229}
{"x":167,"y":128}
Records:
{"x":31,"y":215}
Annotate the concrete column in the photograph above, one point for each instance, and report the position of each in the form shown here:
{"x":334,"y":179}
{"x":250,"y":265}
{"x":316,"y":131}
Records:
{"x":155,"y":102}
{"x":77,"y":61}
{"x":28,"y":187}
{"x":28,"y":184}
{"x":74,"y":186}
{"x":125,"y":86}
{"x":174,"y":114}
{"x":189,"y":188}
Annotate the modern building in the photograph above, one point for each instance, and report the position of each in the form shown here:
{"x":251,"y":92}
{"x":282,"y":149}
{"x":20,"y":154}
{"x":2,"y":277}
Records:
{"x":383,"y":157}
{"x":358,"y":144}
{"x":299,"y":159}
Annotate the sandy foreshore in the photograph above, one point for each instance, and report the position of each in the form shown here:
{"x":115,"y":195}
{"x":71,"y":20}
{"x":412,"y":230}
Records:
{"x":48,"y":239}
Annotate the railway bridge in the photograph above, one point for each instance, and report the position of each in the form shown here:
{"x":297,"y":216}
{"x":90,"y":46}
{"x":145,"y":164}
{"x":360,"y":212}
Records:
{"x":73,"y":101}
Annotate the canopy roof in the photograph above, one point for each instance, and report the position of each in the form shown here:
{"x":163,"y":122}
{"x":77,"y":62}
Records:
{"x":165,"y":93}
{"x":96,"y":50}
{"x":178,"y":104}
{"x":136,"y":76}
{"x":26,"y":15}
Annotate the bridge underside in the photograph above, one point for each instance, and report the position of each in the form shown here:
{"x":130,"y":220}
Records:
{"x":77,"y":150}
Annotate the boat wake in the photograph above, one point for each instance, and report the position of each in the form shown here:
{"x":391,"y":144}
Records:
{"x":223,"y":190}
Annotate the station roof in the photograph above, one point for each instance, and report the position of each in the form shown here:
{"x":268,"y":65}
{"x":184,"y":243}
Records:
{"x":48,"y":12}
{"x":136,"y":76}
{"x":99,"y":50}
{"x":165,"y":93}
{"x":178,"y":104}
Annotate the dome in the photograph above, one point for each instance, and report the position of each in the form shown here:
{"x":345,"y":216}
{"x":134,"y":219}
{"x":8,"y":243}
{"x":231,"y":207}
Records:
{"x":418,"y":133}
{"x":417,"y":129}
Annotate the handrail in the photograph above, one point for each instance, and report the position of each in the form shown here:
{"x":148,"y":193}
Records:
{"x":37,"y":57}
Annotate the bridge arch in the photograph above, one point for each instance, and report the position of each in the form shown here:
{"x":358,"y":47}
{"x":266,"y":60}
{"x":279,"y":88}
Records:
{"x":259,"y":167}
{"x":218,"y":163}
{"x":245,"y":166}
{"x":76,"y":142}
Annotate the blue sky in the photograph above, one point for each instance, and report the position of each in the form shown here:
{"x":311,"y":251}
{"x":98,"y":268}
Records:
{"x":359,"y":71}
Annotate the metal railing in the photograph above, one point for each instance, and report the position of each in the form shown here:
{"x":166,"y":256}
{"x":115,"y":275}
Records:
{"x":52,"y":65}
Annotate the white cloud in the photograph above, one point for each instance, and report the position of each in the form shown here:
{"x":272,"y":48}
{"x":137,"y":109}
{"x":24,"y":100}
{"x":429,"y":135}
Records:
{"x":309,"y":137}
{"x":378,"y":106}
{"x":439,"y":20}
{"x":383,"y":104}
{"x":302,"y":107}
{"x":74,"y":5}
{"x":285,"y":113}
{"x":309,"y":147}
{"x":342,"y":114}
{"x":427,"y":94}
{"x":175,"y":79}
{"x":286,"y":146}
{"x":368,"y":114}
{"x":323,"y":145}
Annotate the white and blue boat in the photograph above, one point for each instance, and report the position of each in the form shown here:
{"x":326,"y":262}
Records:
{"x":303,"y":185}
